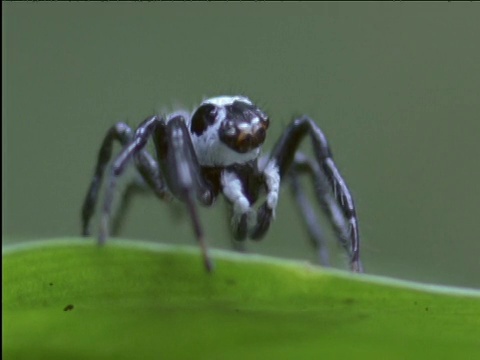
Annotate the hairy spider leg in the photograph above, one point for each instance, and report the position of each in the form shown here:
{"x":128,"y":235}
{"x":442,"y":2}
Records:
{"x":122,"y":133}
{"x":178,"y":160}
{"x":282,"y":156}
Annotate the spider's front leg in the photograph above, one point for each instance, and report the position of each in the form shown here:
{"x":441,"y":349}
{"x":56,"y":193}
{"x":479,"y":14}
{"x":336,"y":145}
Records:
{"x":282,"y":157}
{"x":179,"y":166}
{"x":179,"y":163}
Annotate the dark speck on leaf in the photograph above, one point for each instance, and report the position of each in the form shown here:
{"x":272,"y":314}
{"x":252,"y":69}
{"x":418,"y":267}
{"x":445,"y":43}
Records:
{"x":51,"y":284}
{"x":69,"y":307}
{"x":426,"y":309}
{"x":230,"y":282}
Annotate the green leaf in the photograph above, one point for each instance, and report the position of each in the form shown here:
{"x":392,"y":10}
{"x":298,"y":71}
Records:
{"x":69,"y":299}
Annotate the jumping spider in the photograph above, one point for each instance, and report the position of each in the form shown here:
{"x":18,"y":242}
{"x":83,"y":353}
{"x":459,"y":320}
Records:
{"x":216,"y":150}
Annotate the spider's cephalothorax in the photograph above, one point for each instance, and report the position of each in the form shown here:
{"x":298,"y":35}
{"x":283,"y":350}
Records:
{"x":216,"y":150}
{"x":227,"y":130}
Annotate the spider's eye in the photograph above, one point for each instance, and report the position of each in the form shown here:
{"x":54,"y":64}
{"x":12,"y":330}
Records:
{"x":203,"y":117}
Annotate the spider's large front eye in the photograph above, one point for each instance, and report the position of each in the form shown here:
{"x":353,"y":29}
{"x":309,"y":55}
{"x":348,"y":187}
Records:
{"x":243,"y":136}
{"x":203,"y":118}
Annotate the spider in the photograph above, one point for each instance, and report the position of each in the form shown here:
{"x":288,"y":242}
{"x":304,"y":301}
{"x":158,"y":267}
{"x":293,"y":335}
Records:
{"x":217,"y":150}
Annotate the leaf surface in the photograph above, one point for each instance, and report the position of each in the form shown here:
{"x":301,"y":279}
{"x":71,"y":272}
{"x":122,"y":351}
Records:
{"x":69,"y":299}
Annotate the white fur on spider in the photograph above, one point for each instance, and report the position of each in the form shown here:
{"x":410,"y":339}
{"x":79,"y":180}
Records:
{"x":208,"y":147}
{"x":225,"y":100}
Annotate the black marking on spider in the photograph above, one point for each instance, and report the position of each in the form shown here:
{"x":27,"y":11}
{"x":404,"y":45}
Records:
{"x":217,"y":150}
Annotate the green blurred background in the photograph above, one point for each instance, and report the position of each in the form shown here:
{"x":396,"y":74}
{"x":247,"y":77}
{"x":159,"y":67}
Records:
{"x":395,"y":87}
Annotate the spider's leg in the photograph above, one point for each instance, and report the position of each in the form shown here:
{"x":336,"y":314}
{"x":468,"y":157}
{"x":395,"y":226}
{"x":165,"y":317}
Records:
{"x":151,"y":174}
{"x":132,"y":189}
{"x":145,"y":164}
{"x":120,"y":132}
{"x":179,"y":163}
{"x":132,"y":149}
{"x":150,"y":179}
{"x":307,"y":213}
{"x":326,"y":199}
{"x":283,"y":155}
{"x":302,"y":165}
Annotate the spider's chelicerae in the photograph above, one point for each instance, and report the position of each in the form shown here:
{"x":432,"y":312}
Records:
{"x":217,"y":150}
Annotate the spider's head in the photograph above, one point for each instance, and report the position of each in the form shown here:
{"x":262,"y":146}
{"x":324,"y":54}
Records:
{"x":227,"y":130}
